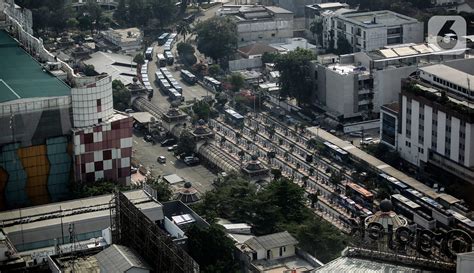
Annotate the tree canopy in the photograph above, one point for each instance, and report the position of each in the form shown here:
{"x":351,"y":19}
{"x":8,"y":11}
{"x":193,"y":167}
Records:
{"x":237,"y":81}
{"x":216,"y":37}
{"x":202,"y":110}
{"x":121,"y":95}
{"x":343,"y":46}
{"x":295,"y":80}
{"x":162,"y":188}
{"x":139,"y":59}
{"x":186,"y":143}
{"x":274,"y":208}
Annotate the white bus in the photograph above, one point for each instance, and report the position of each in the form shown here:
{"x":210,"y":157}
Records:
{"x":161,"y":60}
{"x":149,"y":53}
{"x":212,"y":83}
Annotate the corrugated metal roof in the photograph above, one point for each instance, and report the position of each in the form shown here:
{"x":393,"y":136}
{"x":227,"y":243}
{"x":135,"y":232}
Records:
{"x":354,"y":265}
{"x":271,"y":241}
{"x":118,"y":258}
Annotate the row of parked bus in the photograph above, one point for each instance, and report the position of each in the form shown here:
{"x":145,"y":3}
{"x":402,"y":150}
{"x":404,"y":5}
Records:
{"x":426,"y":212}
{"x":188,"y":77}
{"x":212,"y":84}
{"x":169,"y":85}
{"x":145,"y":80}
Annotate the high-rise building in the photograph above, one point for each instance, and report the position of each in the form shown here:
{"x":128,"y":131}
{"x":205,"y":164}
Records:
{"x":56,"y":126}
{"x":437,"y":119}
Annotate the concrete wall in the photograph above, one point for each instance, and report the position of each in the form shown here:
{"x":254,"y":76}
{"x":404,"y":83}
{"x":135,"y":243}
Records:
{"x":275,"y":30}
{"x":387,"y":84}
{"x":289,"y":251}
{"x":242,"y":64}
{"x":367,"y":125}
{"x":340,"y":93}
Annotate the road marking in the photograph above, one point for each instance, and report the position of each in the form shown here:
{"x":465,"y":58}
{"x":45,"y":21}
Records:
{"x":136,"y":142}
{"x":171,"y":161}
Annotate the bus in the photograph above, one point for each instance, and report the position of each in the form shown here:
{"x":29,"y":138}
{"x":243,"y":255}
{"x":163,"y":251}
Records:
{"x":162,"y":39}
{"x":175,"y":95}
{"x":188,"y":77}
{"x":336,"y":152}
{"x":212,"y":83}
{"x":161,"y":60}
{"x":394,"y":184}
{"x":165,"y":86}
{"x":149,"y":53}
{"x":169,"y":57}
{"x":360,"y":194}
{"x":176,"y":85}
{"x":234,"y":118}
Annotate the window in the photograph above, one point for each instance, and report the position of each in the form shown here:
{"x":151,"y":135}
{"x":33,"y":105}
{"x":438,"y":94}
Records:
{"x":408,"y":133}
{"x":434,"y":145}
{"x":408,"y":144}
{"x":99,"y":102}
{"x":273,"y":34}
{"x":421,"y":150}
{"x":99,"y":120}
{"x":421,"y":139}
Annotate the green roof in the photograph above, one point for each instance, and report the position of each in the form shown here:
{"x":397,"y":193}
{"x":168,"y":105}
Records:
{"x":22,"y":77}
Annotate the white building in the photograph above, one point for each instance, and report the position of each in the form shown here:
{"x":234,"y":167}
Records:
{"x":437,"y":119}
{"x":371,"y":30}
{"x":358,"y":84}
{"x":129,"y":39}
{"x":260,"y":23}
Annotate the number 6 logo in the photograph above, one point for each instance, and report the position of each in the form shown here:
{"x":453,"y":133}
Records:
{"x":448,"y":33}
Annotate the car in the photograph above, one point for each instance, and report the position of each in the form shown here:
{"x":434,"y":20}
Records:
{"x":168,"y":142}
{"x":128,"y":111}
{"x":191,"y":160}
{"x":148,"y":138}
{"x":356,"y":134}
{"x":367,"y":141}
{"x":172,"y":148}
{"x":161,"y":159}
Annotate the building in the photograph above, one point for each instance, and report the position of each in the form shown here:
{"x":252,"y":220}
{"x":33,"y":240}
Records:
{"x":275,"y":252}
{"x":260,"y":23}
{"x":367,"y":31}
{"x":128,"y":39}
{"x":455,"y":5}
{"x":315,"y":12}
{"x":118,"y":258}
{"x":359,"y":84}
{"x":53,"y":121}
{"x":118,"y":66}
{"x":389,"y":124}
{"x":436,"y":122}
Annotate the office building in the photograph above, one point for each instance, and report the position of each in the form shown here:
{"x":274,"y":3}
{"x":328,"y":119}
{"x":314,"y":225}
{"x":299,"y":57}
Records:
{"x":57,"y":125}
{"x":129,"y":39}
{"x":314,"y":12}
{"x":437,"y":119}
{"x":367,"y":31}
{"x":260,"y":23}
{"x":358,"y":84}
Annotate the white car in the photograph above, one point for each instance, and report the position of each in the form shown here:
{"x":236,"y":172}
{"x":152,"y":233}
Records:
{"x":161,"y":159}
{"x":367,"y":141}
{"x":172,"y":148}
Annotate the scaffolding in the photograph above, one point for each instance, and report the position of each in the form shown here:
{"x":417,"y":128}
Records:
{"x":132,"y":228}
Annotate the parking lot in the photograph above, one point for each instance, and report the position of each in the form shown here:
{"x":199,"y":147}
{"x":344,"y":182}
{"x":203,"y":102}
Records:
{"x":147,"y":153}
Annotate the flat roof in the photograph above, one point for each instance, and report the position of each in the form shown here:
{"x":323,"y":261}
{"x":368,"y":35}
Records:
{"x":120,"y":67}
{"x":450,"y":74}
{"x":382,"y":18}
{"x":21,"y":76}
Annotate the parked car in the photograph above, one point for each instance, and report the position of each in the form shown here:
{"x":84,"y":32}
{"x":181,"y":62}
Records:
{"x":172,"y":148}
{"x":356,"y":134}
{"x":191,"y":160}
{"x":148,"y":138}
{"x":367,"y":141}
{"x":168,"y":142}
{"x":161,"y":159}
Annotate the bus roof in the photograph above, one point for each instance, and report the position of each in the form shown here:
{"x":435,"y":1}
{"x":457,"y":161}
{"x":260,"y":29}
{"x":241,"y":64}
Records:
{"x":360,"y":190}
{"x":234,"y":114}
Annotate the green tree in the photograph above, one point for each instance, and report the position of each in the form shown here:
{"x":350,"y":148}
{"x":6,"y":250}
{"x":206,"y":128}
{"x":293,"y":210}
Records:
{"x":139,"y":59}
{"x":94,"y":188}
{"x":164,"y":11}
{"x":316,"y":28}
{"x":202,"y":110}
{"x":320,"y":239}
{"x":120,"y":13}
{"x":211,"y":249}
{"x":89,"y":70}
{"x":343,"y":46}
{"x":295,"y":80}
{"x":237,"y":81}
{"x":121,"y":95}
{"x":186,"y":143}
{"x":95,"y":12}
{"x":72,"y":23}
{"x":214,"y":70}
{"x":184,"y":29}
{"x":269,"y":57}
{"x":163,"y":190}
{"x":287,"y":197}
{"x":216,"y":37}
{"x":185,"y":48}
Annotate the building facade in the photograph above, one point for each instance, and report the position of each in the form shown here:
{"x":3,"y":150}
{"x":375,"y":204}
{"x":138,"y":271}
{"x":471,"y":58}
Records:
{"x":129,"y":39}
{"x":42,"y":109}
{"x":437,"y":119}
{"x":366,"y":31}
{"x":260,"y":23}
{"x":359,"y":84}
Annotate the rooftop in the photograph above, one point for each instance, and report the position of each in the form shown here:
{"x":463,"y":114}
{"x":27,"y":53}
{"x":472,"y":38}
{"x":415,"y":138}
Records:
{"x":22,"y":77}
{"x":255,"y":49}
{"x":271,"y":241}
{"x":120,"y":67}
{"x":394,"y":106}
{"x":118,"y":258}
{"x":450,"y":74}
{"x":377,"y":18}
{"x":127,"y":34}
{"x":334,"y":5}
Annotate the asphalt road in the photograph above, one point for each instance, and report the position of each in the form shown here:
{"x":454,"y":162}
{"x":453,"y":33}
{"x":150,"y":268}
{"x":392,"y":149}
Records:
{"x":147,"y":154}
